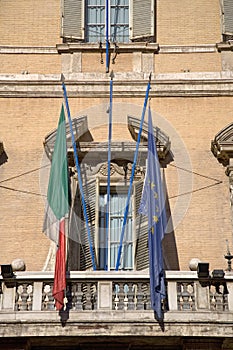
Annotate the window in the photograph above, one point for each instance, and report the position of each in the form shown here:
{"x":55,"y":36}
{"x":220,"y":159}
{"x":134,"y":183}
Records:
{"x":227,"y":20}
{"x":84,"y":20}
{"x":96,"y":19}
{"x":134,"y":248}
{"x":118,"y":199}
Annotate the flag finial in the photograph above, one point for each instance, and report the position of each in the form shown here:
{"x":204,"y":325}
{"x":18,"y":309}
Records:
{"x":111,"y":75}
{"x":62,"y":78}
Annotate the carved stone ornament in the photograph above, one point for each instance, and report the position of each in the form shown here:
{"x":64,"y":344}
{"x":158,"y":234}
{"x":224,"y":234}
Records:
{"x":114,"y":168}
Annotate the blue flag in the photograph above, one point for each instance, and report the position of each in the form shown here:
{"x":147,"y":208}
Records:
{"x":153,"y":205}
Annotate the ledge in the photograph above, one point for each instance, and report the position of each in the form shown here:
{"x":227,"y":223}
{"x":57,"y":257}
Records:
{"x":121,"y":48}
{"x":28,"y":50}
{"x":225,"y":46}
{"x":130,"y":84}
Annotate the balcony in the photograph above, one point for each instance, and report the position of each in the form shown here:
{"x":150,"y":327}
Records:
{"x":117,"y":304}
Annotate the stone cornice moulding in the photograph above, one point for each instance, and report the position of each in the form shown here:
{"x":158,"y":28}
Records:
{"x":132,"y":47}
{"x":127,"y":84}
{"x":179,"y":49}
{"x":121,"y":48}
{"x":225,"y":46}
{"x":28,"y":50}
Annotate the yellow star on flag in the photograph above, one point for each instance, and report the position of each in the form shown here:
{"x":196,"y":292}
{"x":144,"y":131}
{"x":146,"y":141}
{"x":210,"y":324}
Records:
{"x":152,"y":185}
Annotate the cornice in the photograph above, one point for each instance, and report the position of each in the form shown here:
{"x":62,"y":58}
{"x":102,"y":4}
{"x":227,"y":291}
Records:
{"x":172,"y":49}
{"x":88,"y":85}
{"x":222,"y":145}
{"x":121,"y":48}
{"x":225,"y":46}
{"x":28,"y":50}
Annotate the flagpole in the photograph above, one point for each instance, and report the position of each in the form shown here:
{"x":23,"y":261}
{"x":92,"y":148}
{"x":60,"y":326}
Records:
{"x":79,"y":174}
{"x":132,"y":175}
{"x":109,"y":170}
{"x":107,"y":35}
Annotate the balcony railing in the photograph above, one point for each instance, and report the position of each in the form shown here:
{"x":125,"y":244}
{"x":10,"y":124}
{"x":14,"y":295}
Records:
{"x":116,"y":291}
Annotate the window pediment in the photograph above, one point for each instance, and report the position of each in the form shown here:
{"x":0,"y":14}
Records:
{"x":79,"y":127}
{"x":222,"y":145}
{"x":124,"y":150}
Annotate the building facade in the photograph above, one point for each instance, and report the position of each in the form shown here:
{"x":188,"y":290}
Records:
{"x":187,"y":49}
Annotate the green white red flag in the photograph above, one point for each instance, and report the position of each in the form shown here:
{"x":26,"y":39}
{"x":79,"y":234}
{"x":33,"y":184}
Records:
{"x":57,"y":209}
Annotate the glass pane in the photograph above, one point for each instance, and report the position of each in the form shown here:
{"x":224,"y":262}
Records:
{"x":116,"y":218}
{"x":119,"y":18}
{"x":95,"y":20}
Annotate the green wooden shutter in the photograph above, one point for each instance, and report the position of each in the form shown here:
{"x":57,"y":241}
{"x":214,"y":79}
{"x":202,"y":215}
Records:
{"x":72,"y":26}
{"x":142,"y":14}
{"x":90,"y":191}
{"x":142,"y":256}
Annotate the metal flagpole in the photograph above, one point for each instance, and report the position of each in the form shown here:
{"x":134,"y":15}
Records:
{"x":79,"y":174}
{"x":132,"y":175}
{"x":109,"y":169}
{"x":107,"y":35}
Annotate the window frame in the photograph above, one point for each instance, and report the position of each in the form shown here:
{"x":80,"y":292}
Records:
{"x":102,"y":37}
{"x":124,"y":187}
{"x":73,"y":25}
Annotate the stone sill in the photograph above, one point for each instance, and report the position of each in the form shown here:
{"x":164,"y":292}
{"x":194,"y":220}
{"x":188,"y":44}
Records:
{"x":121,"y":48}
{"x":225,"y":46}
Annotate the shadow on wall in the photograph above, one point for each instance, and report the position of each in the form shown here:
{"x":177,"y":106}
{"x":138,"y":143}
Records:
{"x":170,"y":254}
{"x":3,"y":155}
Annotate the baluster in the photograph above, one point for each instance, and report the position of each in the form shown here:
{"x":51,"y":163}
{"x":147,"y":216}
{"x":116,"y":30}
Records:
{"x":185,"y":296}
{"x":29,"y":298}
{"x":93,"y":296}
{"x":146,"y":299}
{"x":126,"y":289}
{"x":135,"y":295}
{"x":131,"y":304}
{"x":191,"y":301}
{"x":225,"y":302}
{"x":88,"y":297}
{"x":121,"y":296}
{"x":212,"y":298}
{"x":140,"y":303}
{"x":48,"y":302}
{"x":78,"y":295}
{"x":219,"y":302}
{"x":84,"y":297}
{"x":19,"y":302}
{"x":115,"y":296}
{"x":181,"y":302}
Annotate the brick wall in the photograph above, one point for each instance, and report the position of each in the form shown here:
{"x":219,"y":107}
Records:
{"x":30,"y":22}
{"x":193,"y":62}
{"x":186,"y":22}
{"x":32,"y":63}
{"x":24,"y":122}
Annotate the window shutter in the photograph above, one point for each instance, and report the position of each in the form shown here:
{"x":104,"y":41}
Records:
{"x":89,"y":189}
{"x":228,"y":16}
{"x":142,"y":20}
{"x":142,"y":256}
{"x":73,"y":19}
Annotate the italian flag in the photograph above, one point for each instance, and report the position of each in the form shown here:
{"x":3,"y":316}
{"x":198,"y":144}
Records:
{"x":57,"y":209}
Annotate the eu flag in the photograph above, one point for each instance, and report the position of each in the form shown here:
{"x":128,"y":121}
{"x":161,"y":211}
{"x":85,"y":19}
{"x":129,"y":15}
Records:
{"x":153,"y":205}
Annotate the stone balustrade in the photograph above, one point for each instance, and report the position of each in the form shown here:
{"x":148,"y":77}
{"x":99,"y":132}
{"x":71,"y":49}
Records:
{"x":128,"y":291}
